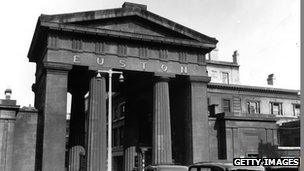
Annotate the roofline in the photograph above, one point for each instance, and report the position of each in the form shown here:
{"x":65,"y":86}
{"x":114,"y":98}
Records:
{"x":222,"y":63}
{"x":251,"y":117}
{"x":34,"y":39}
{"x":123,"y":12}
{"x":40,"y":26}
{"x":122,"y":34}
{"x":252,"y":88}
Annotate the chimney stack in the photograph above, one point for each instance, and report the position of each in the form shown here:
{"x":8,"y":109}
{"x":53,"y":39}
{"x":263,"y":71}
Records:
{"x":8,"y":93}
{"x":235,"y":57}
{"x":270,"y":79}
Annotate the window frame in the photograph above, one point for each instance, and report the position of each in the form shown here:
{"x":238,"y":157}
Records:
{"x":294,"y":107}
{"x":258,"y":106}
{"x":227,"y":73}
{"x":280,"y":111}
{"x":223,"y":102}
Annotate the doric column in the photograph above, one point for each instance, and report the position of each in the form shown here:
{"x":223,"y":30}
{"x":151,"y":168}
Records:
{"x":77,"y":128}
{"x":97,"y":130}
{"x":75,"y":154}
{"x":197,"y":138}
{"x":129,"y":158}
{"x":162,"y":150}
{"x":51,"y":102}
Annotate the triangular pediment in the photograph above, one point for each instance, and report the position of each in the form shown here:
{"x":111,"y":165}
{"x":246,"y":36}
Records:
{"x":134,"y":24}
{"x":130,"y":20}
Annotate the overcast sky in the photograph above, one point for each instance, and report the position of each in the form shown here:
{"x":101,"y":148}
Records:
{"x":265,"y":32}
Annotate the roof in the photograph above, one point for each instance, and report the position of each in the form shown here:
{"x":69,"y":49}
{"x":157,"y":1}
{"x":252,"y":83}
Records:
{"x":227,"y":165}
{"x":168,"y":167}
{"x":78,"y":22}
{"x":253,"y":88}
{"x":222,"y":63}
{"x":131,"y":9}
{"x":248,"y":117}
{"x":291,"y":124}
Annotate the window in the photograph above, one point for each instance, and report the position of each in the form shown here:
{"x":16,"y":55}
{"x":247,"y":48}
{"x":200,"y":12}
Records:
{"x":226,"y":105}
{"x":276,"y":108}
{"x":121,"y":135}
{"x":225,"y":77}
{"x":115,"y":137}
{"x":120,"y":111}
{"x":253,"y":107}
{"x":296,"y":109}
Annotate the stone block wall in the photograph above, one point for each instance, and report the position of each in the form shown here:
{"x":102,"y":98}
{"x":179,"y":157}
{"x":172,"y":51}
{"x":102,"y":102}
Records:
{"x":25,"y":140}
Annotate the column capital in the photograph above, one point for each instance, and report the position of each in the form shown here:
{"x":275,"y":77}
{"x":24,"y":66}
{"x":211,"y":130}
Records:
{"x":54,"y":66}
{"x":204,"y":79}
{"x":163,"y":76}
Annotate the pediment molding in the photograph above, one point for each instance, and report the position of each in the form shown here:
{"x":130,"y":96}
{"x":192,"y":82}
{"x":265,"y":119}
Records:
{"x":85,"y":18}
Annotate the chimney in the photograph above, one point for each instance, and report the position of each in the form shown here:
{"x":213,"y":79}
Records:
{"x":235,"y":57}
{"x":8,"y":93}
{"x":270,"y":79}
{"x":134,"y":5}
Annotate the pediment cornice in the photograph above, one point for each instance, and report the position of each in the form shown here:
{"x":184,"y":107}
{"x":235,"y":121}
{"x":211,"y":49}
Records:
{"x":80,"y":17}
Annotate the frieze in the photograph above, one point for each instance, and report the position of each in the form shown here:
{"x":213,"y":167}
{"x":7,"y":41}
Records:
{"x":143,"y":52}
{"x":126,"y":62}
{"x":124,"y":50}
{"x":100,"y":47}
{"x":52,"y":41}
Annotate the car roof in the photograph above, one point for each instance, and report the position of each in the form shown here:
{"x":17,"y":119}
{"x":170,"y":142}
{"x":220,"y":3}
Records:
{"x":225,"y":165}
{"x":281,"y":167}
{"x":166,"y":166}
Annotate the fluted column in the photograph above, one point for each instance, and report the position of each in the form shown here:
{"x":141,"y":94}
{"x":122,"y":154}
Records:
{"x":129,"y":158}
{"x":97,"y":131}
{"x":162,"y":150}
{"x":75,"y":154}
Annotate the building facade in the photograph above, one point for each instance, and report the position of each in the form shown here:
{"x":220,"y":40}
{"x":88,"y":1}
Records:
{"x":157,"y":57}
{"x":18,"y":127}
{"x":166,"y":112}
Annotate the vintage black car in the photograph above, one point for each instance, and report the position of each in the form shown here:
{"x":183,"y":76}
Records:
{"x":221,"y":166}
{"x":166,"y":168}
